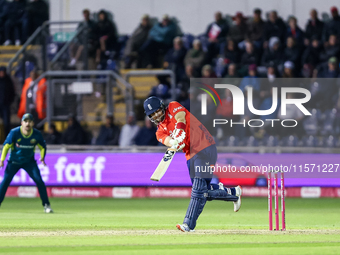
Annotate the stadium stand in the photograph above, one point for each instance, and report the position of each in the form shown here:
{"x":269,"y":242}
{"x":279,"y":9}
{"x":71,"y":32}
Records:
{"x":229,"y":47}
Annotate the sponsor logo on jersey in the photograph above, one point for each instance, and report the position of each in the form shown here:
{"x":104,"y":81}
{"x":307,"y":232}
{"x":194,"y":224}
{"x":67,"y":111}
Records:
{"x":24,"y":146}
{"x":18,"y":140}
{"x":33,"y":141}
{"x":176,"y":109}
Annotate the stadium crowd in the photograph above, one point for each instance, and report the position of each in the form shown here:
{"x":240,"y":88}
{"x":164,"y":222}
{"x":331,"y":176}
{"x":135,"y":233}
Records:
{"x":19,"y":19}
{"x":109,"y":133}
{"x":240,"y":48}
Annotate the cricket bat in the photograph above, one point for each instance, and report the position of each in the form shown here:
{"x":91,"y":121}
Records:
{"x":163,"y":165}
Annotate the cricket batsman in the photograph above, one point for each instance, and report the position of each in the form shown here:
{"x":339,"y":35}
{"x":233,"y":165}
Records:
{"x":22,"y":141}
{"x":175,"y":130}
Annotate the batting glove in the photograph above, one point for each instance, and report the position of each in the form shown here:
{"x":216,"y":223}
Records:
{"x":179,"y":135}
{"x":176,"y":144}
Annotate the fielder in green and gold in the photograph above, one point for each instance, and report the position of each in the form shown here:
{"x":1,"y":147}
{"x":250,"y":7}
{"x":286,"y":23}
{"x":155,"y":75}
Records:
{"x":22,"y":141}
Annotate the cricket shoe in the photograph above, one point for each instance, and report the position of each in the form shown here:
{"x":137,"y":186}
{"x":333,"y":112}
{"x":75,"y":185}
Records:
{"x":48,"y":208}
{"x":237,"y":204}
{"x":184,"y":228}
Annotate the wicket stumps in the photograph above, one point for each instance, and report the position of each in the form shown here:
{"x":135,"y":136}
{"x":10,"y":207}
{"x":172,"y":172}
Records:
{"x":274,"y":176}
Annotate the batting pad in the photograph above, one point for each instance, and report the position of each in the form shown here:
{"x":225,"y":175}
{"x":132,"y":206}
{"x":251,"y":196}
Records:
{"x":197,"y":202}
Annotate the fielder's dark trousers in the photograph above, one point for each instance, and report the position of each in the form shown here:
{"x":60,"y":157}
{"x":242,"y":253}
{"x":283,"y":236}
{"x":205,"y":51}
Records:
{"x":33,"y":171}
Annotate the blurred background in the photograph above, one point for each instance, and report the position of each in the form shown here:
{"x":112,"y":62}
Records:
{"x":84,"y":68}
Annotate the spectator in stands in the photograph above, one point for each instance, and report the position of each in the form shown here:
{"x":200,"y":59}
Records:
{"x":208,"y":72}
{"x":274,"y":27}
{"x":238,"y":30}
{"x":3,"y":14}
{"x":311,"y":55}
{"x":225,"y":111}
{"x":232,"y":73}
{"x":184,"y":84}
{"x":314,"y":28}
{"x":135,"y":42}
{"x":332,"y":27}
{"x":106,"y":33}
{"x":195,"y":57}
{"x":332,"y":70}
{"x":162,"y":90}
{"x":295,"y":31}
{"x":292,"y":52}
{"x":327,"y":91}
{"x":77,"y":48}
{"x":129,"y":131}
{"x":159,"y":42}
{"x":266,"y":99}
{"x":216,"y":34}
{"x":174,"y":59}
{"x":109,"y":133}
{"x":271,"y":74}
{"x":250,"y":56}
{"x":7,"y":95}
{"x":146,"y":136}
{"x":185,"y":99}
{"x":288,"y":70}
{"x":53,"y":136}
{"x":190,"y":72}
{"x":208,"y":119}
{"x":273,"y":54}
{"x":292,"y":112}
{"x":255,"y":29}
{"x":231,"y":53}
{"x":39,"y":99}
{"x":14,"y":13}
{"x":331,"y":49}
{"x":36,"y":13}
{"x":307,"y":71}
{"x":251,"y":80}
{"x":74,"y":134}
{"x":267,"y":84}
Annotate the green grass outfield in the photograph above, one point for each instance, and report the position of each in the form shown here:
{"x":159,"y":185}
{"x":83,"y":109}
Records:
{"x":147,"y":226}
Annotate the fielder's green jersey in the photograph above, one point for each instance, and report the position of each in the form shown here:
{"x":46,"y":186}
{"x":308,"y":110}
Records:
{"x":23,"y":147}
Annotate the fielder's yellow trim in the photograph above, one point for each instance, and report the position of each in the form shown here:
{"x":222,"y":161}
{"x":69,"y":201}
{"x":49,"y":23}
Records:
{"x":42,"y":151}
{"x":25,"y":135}
{"x":5,"y":150}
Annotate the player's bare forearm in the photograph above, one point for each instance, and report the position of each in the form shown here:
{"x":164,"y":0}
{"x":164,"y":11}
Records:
{"x":167,"y":141}
{"x":180,"y":117}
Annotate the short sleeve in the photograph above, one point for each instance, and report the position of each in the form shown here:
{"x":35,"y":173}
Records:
{"x":41,"y":140}
{"x":175,"y":107}
{"x":9,"y":138}
{"x":161,"y":135}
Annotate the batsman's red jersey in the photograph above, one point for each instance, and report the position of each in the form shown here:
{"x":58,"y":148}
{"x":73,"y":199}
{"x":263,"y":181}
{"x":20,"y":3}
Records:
{"x":197,"y":136}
